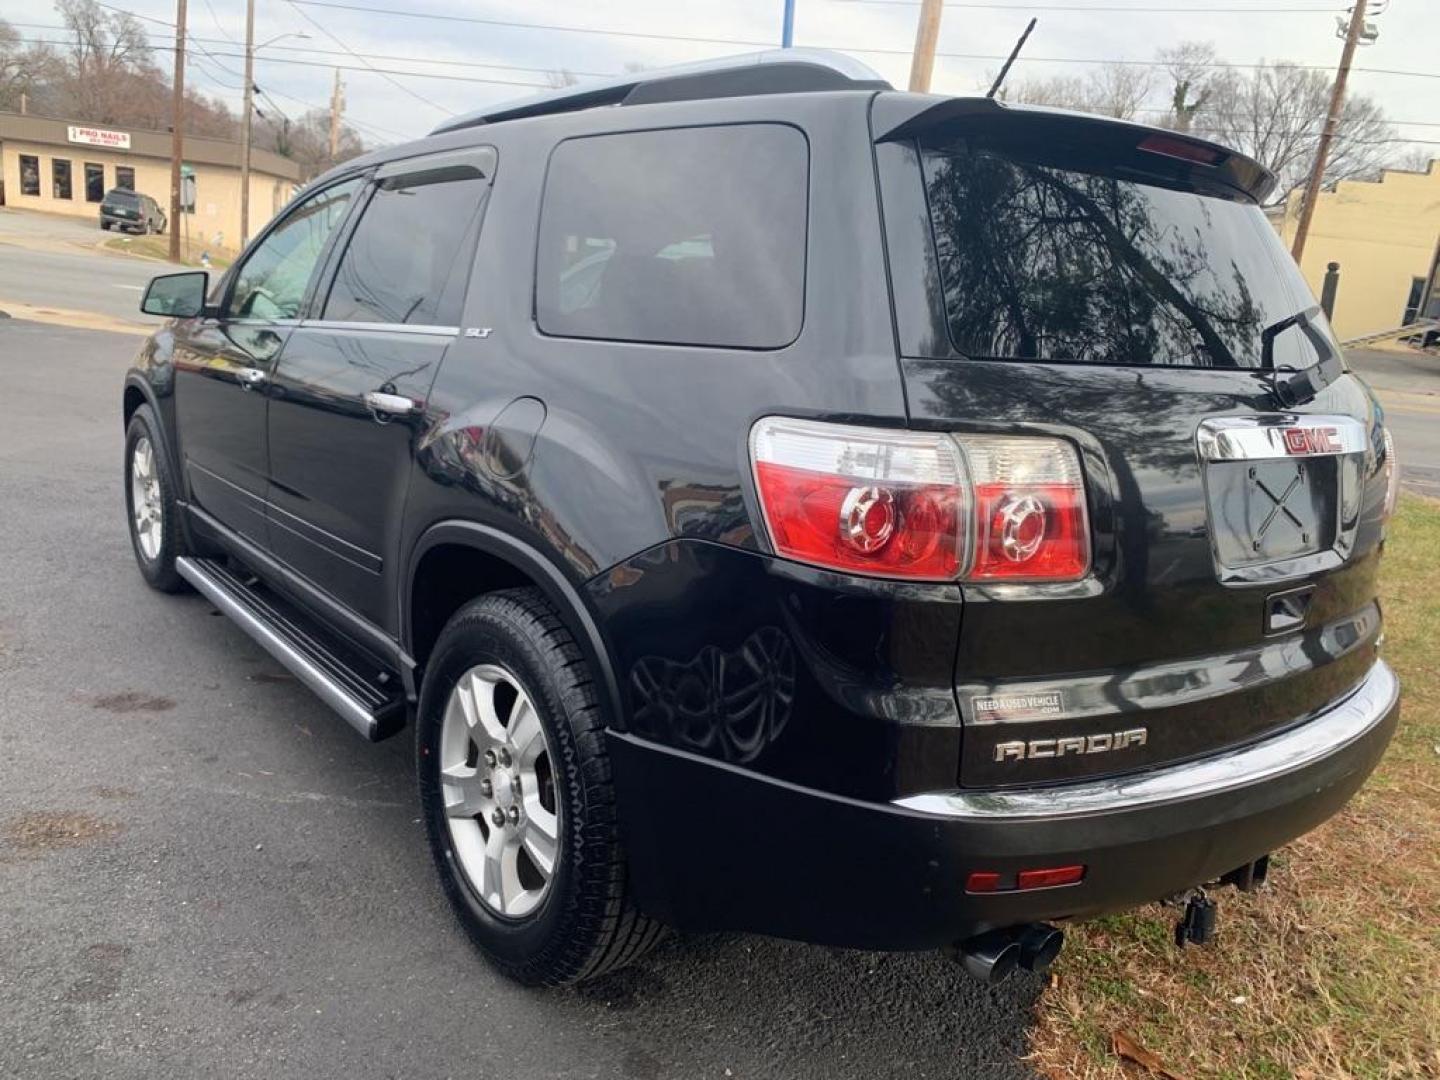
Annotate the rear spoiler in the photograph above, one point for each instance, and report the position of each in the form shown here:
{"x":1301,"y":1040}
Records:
{"x":1057,"y":136}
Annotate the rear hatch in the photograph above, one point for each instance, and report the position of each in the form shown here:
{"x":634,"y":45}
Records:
{"x":1121,"y":289}
{"x":121,"y":204}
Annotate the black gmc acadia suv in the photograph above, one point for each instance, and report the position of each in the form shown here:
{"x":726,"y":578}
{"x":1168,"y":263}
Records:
{"x":788,"y":505}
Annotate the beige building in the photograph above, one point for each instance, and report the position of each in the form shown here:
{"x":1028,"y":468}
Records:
{"x":1384,"y":234}
{"x":66,"y":167}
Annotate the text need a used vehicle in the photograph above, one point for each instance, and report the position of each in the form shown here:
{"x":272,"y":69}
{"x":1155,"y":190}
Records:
{"x":783,"y":504}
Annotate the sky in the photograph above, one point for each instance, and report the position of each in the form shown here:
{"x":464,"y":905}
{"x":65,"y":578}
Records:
{"x":446,"y":59}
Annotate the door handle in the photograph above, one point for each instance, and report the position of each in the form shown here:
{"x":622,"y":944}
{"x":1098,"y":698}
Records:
{"x":251,"y":377}
{"x":390,"y":404}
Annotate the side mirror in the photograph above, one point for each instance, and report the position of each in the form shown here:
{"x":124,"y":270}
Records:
{"x":178,"y":296}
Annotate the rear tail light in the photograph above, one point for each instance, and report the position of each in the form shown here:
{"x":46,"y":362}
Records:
{"x":1030,"y":517}
{"x":920,"y":506}
{"x":1392,"y":473}
{"x":860,"y":499}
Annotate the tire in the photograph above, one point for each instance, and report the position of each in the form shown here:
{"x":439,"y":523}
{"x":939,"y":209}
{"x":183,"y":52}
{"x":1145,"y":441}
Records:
{"x":155,"y":552}
{"x":104,"y":226}
{"x":584,"y":924}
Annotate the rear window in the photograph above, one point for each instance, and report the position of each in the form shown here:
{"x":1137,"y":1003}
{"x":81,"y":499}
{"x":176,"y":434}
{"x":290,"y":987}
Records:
{"x":1043,"y":263}
{"x":687,"y":236}
{"x":123,"y":198}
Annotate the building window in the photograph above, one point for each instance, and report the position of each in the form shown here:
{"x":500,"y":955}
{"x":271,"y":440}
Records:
{"x":29,"y":175}
{"x":60,"y":178}
{"x":94,"y":182}
{"x":125,"y":177}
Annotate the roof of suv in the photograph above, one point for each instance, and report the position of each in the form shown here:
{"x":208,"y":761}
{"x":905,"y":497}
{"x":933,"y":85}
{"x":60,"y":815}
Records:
{"x":802,"y":71}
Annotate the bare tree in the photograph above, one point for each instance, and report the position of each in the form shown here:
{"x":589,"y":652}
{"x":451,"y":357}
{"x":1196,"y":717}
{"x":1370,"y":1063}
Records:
{"x":1418,"y":159}
{"x":306,"y":141}
{"x":1117,"y":90}
{"x":1274,"y":114}
{"x":1191,"y":69}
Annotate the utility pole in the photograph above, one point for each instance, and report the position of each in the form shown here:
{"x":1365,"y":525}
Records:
{"x":787,"y":32}
{"x":1327,"y":134}
{"x":337,"y":106}
{"x":177,"y":138}
{"x":927,"y":34}
{"x":246,"y":122}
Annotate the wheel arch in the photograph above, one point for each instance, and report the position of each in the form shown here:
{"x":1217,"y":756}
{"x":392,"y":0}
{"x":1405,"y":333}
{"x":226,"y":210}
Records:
{"x":488,"y":559}
{"x":139,"y":391}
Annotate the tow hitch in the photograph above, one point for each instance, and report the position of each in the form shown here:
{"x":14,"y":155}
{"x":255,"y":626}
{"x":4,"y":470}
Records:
{"x":1197,"y":924}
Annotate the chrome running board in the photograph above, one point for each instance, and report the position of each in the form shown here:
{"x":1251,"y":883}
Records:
{"x":369,"y":697}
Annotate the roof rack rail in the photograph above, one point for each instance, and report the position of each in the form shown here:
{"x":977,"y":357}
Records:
{"x":776,"y":71}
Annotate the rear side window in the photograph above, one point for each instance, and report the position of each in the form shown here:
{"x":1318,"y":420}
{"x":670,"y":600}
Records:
{"x":403,"y":263}
{"x":689,"y":236}
{"x":1045,"y":263}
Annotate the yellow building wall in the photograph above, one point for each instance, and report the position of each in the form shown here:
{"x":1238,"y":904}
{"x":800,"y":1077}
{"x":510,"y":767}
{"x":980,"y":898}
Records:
{"x":216,"y":220}
{"x":1383,"y":235}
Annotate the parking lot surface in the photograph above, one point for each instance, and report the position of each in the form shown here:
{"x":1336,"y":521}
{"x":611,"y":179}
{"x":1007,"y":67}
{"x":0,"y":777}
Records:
{"x":203,"y":872}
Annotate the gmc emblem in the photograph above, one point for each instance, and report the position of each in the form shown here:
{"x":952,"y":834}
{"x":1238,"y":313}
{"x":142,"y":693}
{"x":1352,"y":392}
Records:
{"x":1305,"y":442}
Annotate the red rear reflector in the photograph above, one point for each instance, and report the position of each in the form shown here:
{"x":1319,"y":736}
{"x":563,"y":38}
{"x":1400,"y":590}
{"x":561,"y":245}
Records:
{"x":1182,"y":149}
{"x":982,"y":881}
{"x":1045,"y":879}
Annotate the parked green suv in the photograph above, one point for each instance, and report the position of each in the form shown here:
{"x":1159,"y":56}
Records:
{"x":131,"y":211}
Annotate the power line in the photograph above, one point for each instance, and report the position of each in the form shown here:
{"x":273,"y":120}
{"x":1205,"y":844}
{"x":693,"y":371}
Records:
{"x":387,"y":77}
{"x":505,"y":82}
{"x":1112,"y":8}
{"x":216,"y":57}
{"x":531,"y":26}
{"x":216,"y":20}
{"x":650,"y":35}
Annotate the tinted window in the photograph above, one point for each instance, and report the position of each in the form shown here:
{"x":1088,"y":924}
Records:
{"x":94,"y":182}
{"x":692,"y":236}
{"x":60,"y":178}
{"x":271,"y":282}
{"x":406,"y":260}
{"x":1042,"y":263}
{"x":120,"y":197}
{"x":29,"y":175}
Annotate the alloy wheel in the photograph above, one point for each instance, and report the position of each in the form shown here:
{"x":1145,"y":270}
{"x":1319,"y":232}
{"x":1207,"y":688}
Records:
{"x":498,"y":785}
{"x":146,"y":510}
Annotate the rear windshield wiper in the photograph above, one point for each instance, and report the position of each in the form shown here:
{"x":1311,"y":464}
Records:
{"x":1292,"y":387}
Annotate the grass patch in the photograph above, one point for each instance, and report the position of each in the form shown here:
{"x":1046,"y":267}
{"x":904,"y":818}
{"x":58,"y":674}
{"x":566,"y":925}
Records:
{"x":1333,"y":970}
{"x":158,"y":247}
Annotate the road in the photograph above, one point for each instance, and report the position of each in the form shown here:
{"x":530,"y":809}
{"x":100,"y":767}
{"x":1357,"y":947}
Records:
{"x":1408,"y":385}
{"x":203,"y":872}
{"x":48,"y":260}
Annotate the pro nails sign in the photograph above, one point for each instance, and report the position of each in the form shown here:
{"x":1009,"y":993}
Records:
{"x":114,"y":140}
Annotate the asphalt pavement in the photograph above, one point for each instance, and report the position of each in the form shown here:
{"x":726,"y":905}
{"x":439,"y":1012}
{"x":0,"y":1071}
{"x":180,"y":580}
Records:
{"x":50,"y":260}
{"x":204,"y":872}
{"x":1408,"y":385}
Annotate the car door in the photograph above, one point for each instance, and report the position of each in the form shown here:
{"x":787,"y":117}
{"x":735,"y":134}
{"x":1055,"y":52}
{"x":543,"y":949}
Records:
{"x":222,"y":364}
{"x":348,"y":398}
